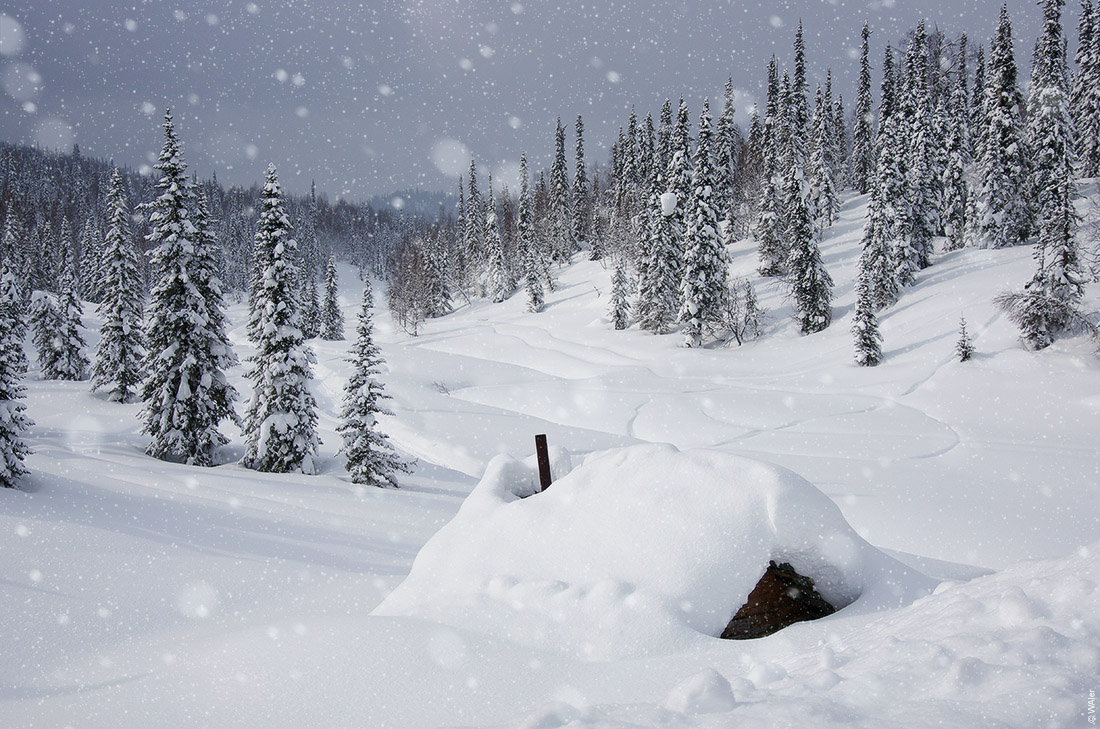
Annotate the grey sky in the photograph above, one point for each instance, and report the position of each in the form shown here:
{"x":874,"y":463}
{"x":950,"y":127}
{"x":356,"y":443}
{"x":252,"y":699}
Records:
{"x":368,"y":97}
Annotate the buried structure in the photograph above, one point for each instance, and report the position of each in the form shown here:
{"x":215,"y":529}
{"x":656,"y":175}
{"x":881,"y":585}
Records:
{"x":641,"y":550}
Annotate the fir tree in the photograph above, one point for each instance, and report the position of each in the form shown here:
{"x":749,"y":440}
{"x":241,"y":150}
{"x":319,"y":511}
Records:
{"x":371,"y":460}
{"x":658,"y":284}
{"x":186,"y":393}
{"x":526,"y":242}
{"x":281,"y":425}
{"x":811,"y":287}
{"x":703,"y":283}
{"x":1002,"y":209}
{"x":311,"y":308}
{"x":119,"y":355}
{"x":46,"y":324}
{"x":727,"y":145}
{"x":922,"y":192}
{"x":70,"y":362}
{"x":561,"y":234}
{"x":824,"y":203}
{"x":865,"y":329}
{"x":863,"y":141}
{"x":620,"y":296}
{"x":769,"y":227}
{"x":956,"y":189}
{"x":977,"y":108}
{"x":1049,"y":304}
{"x":498,"y":287}
{"x":91,"y":262}
{"x":582,"y":206}
{"x":1085,"y":95}
{"x":964,"y":347}
{"x":14,"y":423}
{"x":332,"y":319}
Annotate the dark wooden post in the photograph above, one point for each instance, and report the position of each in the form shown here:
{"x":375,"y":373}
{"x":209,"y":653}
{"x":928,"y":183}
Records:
{"x":543,"y":456}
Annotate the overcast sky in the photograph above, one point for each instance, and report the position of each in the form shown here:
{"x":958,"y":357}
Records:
{"x":374,"y":96}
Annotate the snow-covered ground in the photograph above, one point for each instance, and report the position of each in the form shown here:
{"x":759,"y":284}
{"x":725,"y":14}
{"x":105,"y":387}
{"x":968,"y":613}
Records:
{"x":137,"y":593}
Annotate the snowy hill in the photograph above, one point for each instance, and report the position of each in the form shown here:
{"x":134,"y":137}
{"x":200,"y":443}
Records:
{"x":139,"y":593}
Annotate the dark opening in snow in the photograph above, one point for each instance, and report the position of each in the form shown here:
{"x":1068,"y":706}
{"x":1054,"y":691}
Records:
{"x":782,"y":597}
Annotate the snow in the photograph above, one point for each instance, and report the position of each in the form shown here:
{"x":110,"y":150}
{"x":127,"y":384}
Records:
{"x":636,"y":551}
{"x":140,"y":593}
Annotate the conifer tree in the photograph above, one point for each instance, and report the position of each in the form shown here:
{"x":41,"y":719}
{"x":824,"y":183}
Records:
{"x":915,"y":109}
{"x":70,"y":362}
{"x":799,"y":113}
{"x":497,"y":285}
{"x":977,"y":109}
{"x":46,"y":325}
{"x":1085,"y":94}
{"x":311,"y":308}
{"x":703,"y":282}
{"x":526,"y":242}
{"x":1002,"y":208}
{"x":811,"y":287}
{"x":769,"y":228}
{"x":658,"y":284}
{"x":956,"y":189}
{"x":119,"y":354}
{"x":332,"y":319}
{"x":1049,"y":304}
{"x":14,"y":422}
{"x":371,"y":460}
{"x":186,"y":393}
{"x":561,"y":233}
{"x":727,"y":141}
{"x":91,"y":259}
{"x":582,"y":206}
{"x":824,"y":203}
{"x":964,"y":347}
{"x":868,"y":338}
{"x":863,"y":140}
{"x":281,"y":424}
{"x":620,"y":296}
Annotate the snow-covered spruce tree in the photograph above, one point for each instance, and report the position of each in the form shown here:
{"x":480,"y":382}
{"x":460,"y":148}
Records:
{"x":91,"y":262}
{"x":45,"y":324}
{"x":186,"y":393}
{"x":561,"y":233}
{"x":1003,"y":217}
{"x":964,"y":347}
{"x":769,"y":227}
{"x":863,"y":135}
{"x":977,"y":108}
{"x":921,"y":211}
{"x":1049,"y":304}
{"x":868,"y":338}
{"x":824,"y":203}
{"x":71,"y":362}
{"x":119,"y":354}
{"x":658,"y":285}
{"x":371,"y":459}
{"x":281,"y":424}
{"x":525,"y":241}
{"x":581,"y":220}
{"x":619,"y":310}
{"x":727,"y":143}
{"x":811,"y":287}
{"x":498,"y":287}
{"x":703,"y":282}
{"x":332,"y":319}
{"x":311,"y":307}
{"x":13,"y":365}
{"x":1085,"y":99}
{"x":956,"y":189}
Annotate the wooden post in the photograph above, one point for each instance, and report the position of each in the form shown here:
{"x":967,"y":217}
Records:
{"x":543,"y":456}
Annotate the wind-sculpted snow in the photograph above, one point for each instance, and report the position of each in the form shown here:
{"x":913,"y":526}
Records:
{"x":637,"y":551}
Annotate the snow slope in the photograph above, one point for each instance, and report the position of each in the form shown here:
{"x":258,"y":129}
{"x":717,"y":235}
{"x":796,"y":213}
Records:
{"x":138,"y":593}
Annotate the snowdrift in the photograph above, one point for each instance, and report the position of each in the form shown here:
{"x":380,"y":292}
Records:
{"x":639,"y":550}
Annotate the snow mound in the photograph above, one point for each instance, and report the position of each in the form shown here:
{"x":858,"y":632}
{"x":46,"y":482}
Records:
{"x":639,"y":550}
{"x":707,"y":692}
